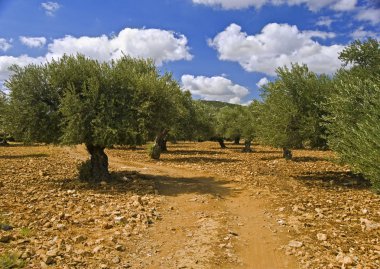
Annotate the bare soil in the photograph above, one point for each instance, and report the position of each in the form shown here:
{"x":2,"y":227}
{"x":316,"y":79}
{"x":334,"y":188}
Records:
{"x":198,"y":207}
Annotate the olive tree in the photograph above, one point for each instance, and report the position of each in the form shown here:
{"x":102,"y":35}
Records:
{"x":292,"y":111}
{"x":159,"y":102}
{"x":33,"y":114}
{"x":235,"y":123}
{"x":192,"y":121}
{"x":77,"y":100}
{"x":354,"y":110}
{"x":3,"y":107}
{"x":250,"y":122}
{"x":203,"y":122}
{"x":230,"y":123}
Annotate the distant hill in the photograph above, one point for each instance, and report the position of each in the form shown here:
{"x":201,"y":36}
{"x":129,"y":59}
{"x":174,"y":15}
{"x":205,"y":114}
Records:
{"x":217,"y":104}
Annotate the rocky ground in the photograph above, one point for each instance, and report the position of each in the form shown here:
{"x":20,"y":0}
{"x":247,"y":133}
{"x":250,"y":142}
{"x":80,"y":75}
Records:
{"x":62,"y":223}
{"x":198,"y":207}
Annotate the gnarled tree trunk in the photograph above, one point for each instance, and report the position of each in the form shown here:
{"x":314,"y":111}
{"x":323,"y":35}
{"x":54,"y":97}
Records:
{"x":3,"y":139}
{"x":221,"y":142}
{"x":237,"y":140}
{"x":159,"y":145}
{"x":287,"y":153}
{"x":163,"y":145}
{"x":3,"y":142}
{"x":99,"y":163}
{"x":247,"y":145}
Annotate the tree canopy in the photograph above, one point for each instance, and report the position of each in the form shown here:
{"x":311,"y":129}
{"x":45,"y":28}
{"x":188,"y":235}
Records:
{"x":354,"y":110}
{"x":77,"y":100}
{"x":291,"y":111}
{"x":362,"y":54}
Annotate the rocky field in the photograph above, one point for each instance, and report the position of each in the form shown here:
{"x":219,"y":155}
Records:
{"x":153,"y":215}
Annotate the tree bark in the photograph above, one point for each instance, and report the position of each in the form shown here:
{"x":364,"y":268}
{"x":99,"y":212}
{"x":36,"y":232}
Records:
{"x":99,"y":163}
{"x":163,"y":145}
{"x":237,"y":140}
{"x":287,"y":153}
{"x":221,"y":142}
{"x":247,"y":146}
{"x":159,"y":145}
{"x":3,"y":142}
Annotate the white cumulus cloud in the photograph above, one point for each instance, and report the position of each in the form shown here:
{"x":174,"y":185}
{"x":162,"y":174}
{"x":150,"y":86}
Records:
{"x":228,"y":4}
{"x":277,"y":45}
{"x":4,"y":44}
{"x":360,"y":33}
{"x":33,"y":42}
{"x":371,"y":15}
{"x":159,"y":45}
{"x":214,"y":88}
{"x":345,"y":5}
{"x":23,"y":60}
{"x":324,"y":21}
{"x":263,"y":81}
{"x":50,"y":7}
{"x":314,"y":5}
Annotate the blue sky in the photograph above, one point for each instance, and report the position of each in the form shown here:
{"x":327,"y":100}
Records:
{"x":218,"y":49}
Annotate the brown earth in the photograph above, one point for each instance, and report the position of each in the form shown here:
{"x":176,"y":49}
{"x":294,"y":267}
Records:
{"x":198,"y":207}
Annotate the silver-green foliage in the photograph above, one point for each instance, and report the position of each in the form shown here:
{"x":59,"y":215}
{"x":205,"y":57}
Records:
{"x":290,"y":115}
{"x":230,"y":122}
{"x":75,"y":100}
{"x":3,"y":106}
{"x":33,"y":110}
{"x":354,"y":110}
{"x":354,"y":129}
{"x":79,"y":100}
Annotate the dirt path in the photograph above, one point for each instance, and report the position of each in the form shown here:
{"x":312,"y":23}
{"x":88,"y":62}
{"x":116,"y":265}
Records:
{"x":198,"y":207}
{"x":208,"y":222}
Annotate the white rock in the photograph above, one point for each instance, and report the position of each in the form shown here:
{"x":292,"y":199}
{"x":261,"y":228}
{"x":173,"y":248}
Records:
{"x":120,"y":219}
{"x":344,"y":259}
{"x":61,"y":226}
{"x":97,"y":249}
{"x":52,"y":253}
{"x":321,"y":237}
{"x":295,"y":244}
{"x":368,"y":225}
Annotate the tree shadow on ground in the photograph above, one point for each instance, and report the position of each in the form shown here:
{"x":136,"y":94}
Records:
{"x":131,"y":148}
{"x":123,"y":182}
{"x":271,"y":158}
{"x":330,"y":179}
{"x":267,"y":151}
{"x":294,"y":159}
{"x":23,"y":145}
{"x":198,"y":160}
{"x":39,"y":155}
{"x":194,"y":152}
{"x":181,"y":144}
{"x":173,"y":186}
{"x":306,"y":159}
{"x":219,"y":148}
